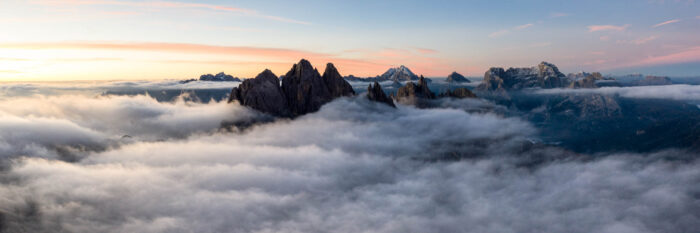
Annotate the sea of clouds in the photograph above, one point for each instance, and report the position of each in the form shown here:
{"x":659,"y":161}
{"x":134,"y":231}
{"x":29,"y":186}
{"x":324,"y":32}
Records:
{"x":102,"y":163}
{"x":683,"y":92}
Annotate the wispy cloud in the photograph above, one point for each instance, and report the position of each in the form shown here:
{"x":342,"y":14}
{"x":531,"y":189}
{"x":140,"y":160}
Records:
{"x":691,"y":54}
{"x":425,"y":50}
{"x":167,"y":4}
{"x":361,"y":62}
{"x":163,"y":47}
{"x":558,"y":15}
{"x":596,"y":28}
{"x":10,"y":71}
{"x":666,"y":23}
{"x":605,"y":38}
{"x":639,"y":41}
{"x":524,"y":26}
{"x":507,"y":31}
{"x":499,"y":33}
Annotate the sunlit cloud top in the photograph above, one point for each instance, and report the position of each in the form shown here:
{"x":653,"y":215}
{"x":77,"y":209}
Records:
{"x":132,"y":39}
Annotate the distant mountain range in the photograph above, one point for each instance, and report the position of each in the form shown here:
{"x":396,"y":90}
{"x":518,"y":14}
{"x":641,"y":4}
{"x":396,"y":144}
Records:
{"x":580,"y":121}
{"x":399,"y":74}
{"x":220,"y":77}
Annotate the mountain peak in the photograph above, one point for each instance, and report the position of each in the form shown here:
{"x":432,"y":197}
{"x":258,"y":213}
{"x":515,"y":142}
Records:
{"x":400,"y":73}
{"x":456,"y":77}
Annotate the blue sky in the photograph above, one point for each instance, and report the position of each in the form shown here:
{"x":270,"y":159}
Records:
{"x":54,"y":39}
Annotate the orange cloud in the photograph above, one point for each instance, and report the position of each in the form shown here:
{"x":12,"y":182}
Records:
{"x":166,"y":47}
{"x":595,"y":28}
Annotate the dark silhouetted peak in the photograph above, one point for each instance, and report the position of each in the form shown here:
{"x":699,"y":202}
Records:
{"x":220,"y":77}
{"x":336,"y":84}
{"x":422,"y":82}
{"x":302,"y":91}
{"x":375,"y":93}
{"x":456,"y":77}
{"x":262,"y":93}
{"x":459,"y":93}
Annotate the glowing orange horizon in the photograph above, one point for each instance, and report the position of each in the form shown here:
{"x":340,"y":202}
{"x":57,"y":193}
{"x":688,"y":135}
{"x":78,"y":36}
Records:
{"x":123,"y":60}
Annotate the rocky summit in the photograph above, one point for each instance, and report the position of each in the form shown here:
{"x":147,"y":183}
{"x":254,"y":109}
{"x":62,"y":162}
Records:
{"x":375,"y":93}
{"x":413,"y":93}
{"x":455,"y":77}
{"x":303,"y":90}
{"x":589,"y":80}
{"x":401,"y":73}
{"x":544,"y":75}
{"x":220,"y":77}
{"x":336,"y":84}
{"x":262,"y":93}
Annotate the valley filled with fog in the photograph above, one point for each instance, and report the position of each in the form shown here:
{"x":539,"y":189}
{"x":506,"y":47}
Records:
{"x":176,"y":157}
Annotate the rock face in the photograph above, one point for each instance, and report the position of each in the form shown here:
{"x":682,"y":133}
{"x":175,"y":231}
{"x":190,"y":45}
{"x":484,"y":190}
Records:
{"x":584,"y":83}
{"x":589,"y":80}
{"x":303,"y":90}
{"x":336,"y":84}
{"x":588,"y":107}
{"x":412,"y":90}
{"x":262,"y":93}
{"x":544,"y":75}
{"x":653,"y":81}
{"x":220,"y":77}
{"x":456,"y":78}
{"x":375,"y":93}
{"x":400,"y":73}
{"x":396,"y":84}
{"x":459,"y":93}
{"x":582,"y":75}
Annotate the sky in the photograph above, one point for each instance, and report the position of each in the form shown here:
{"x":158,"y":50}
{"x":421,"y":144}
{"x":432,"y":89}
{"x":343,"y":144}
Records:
{"x":145,"y":40}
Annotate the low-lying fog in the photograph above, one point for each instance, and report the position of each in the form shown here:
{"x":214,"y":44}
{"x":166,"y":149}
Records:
{"x":105,"y":157}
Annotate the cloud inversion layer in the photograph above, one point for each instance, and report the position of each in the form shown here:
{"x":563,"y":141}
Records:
{"x":353,"y":166}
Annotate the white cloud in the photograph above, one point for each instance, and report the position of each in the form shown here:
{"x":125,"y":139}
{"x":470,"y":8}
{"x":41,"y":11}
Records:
{"x":508,"y":31}
{"x":558,"y":15}
{"x":639,"y":41}
{"x":354,"y":166}
{"x":524,"y":26}
{"x":675,"y":92}
{"x":499,"y":33}
{"x":596,"y":28}
{"x":666,"y":23}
